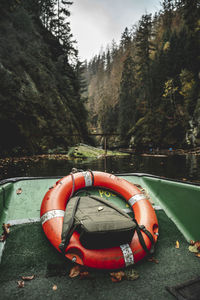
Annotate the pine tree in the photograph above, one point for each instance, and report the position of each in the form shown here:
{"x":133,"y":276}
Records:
{"x":127,"y":99}
{"x":190,"y":11}
{"x":168,"y":10}
{"x":108,"y":61}
{"x":47,"y":12}
{"x":114,"y":49}
{"x":125,"y":42}
{"x":143,"y":48}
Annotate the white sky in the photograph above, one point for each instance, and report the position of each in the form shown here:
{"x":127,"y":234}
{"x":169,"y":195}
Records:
{"x":95,"y":23}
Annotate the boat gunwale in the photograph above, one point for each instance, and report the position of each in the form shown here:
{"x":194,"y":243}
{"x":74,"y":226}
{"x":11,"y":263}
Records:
{"x":16,"y":179}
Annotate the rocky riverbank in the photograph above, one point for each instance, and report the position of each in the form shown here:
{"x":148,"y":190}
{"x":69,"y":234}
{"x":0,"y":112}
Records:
{"x":80,"y":151}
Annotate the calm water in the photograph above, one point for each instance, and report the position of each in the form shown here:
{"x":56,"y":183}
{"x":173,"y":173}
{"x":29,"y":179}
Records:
{"x":185,"y":167}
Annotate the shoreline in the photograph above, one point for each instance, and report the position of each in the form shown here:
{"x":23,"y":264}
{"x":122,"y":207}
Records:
{"x":60,"y":156}
{"x":163,"y":152}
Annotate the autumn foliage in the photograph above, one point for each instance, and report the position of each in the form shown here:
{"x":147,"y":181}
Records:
{"x":146,"y":88}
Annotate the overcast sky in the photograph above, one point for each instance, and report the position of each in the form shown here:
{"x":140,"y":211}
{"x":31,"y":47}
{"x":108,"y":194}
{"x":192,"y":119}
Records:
{"x":95,"y":23}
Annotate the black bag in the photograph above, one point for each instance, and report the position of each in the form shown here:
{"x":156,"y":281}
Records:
{"x":100,"y":223}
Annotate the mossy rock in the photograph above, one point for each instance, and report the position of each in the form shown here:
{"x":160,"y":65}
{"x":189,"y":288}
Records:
{"x":85,"y":151}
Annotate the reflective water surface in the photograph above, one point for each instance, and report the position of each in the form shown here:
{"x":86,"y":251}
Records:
{"x":185,"y":167}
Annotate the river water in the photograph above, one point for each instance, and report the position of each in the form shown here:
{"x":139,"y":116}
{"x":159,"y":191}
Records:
{"x":184,"y":167}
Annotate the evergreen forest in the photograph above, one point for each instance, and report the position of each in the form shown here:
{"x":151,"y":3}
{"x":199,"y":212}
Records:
{"x":146,"y":88}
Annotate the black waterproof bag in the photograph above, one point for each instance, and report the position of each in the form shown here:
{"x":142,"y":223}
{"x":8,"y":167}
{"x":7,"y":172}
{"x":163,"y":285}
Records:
{"x":100,"y":223}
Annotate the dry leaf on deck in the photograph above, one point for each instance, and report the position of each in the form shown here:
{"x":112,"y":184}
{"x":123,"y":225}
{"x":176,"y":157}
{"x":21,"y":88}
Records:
{"x":131,"y":274}
{"x":75,"y":271}
{"x":153,"y":259}
{"x":6,"y":231}
{"x":84,"y":274}
{"x":3,"y":237}
{"x":177,"y":245}
{"x":28,"y":277}
{"x":20,"y":283}
{"x":19,"y":191}
{"x":197,"y":244}
{"x":192,"y":242}
{"x":193,"y":248}
{"x":117,"y":276}
{"x":6,"y":228}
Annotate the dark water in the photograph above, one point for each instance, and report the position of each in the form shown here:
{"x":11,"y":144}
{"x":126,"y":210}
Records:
{"x":186,"y":167}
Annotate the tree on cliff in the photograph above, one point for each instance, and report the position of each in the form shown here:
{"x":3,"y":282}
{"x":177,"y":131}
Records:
{"x":40,"y":102}
{"x":127,"y":100}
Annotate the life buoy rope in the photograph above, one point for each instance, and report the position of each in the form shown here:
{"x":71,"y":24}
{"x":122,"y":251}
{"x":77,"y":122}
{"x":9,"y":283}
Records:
{"x":52,"y":213}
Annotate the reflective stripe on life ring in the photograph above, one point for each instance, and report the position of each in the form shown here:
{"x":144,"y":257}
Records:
{"x":52,"y":214}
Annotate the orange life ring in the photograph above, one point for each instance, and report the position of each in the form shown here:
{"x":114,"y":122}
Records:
{"x":52,"y":213}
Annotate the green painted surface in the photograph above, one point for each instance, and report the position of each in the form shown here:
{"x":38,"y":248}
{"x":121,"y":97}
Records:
{"x":27,"y":250}
{"x":180,"y":201}
{"x":27,"y":197}
{"x":6,"y":192}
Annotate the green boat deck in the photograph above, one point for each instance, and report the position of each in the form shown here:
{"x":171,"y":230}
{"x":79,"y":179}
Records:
{"x":28,"y":252}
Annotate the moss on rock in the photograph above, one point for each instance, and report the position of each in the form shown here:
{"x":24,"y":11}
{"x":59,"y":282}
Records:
{"x":84,"y":151}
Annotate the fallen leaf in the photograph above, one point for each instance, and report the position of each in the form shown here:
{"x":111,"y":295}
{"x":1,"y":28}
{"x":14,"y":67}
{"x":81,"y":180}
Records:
{"x":6,"y":231}
{"x":117,"y":276}
{"x":131,"y":274}
{"x":153,"y":259}
{"x":6,"y":228}
{"x":198,"y":254}
{"x":19,"y":191}
{"x":114,"y":279}
{"x":177,"y":245}
{"x":28,"y":277}
{"x":54,"y":288}
{"x":75,"y":271}
{"x":197,"y":244}
{"x":193,"y":248}
{"x":20,"y":283}
{"x":192,"y":242}
{"x":3,"y":237}
{"x":84,"y":274}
